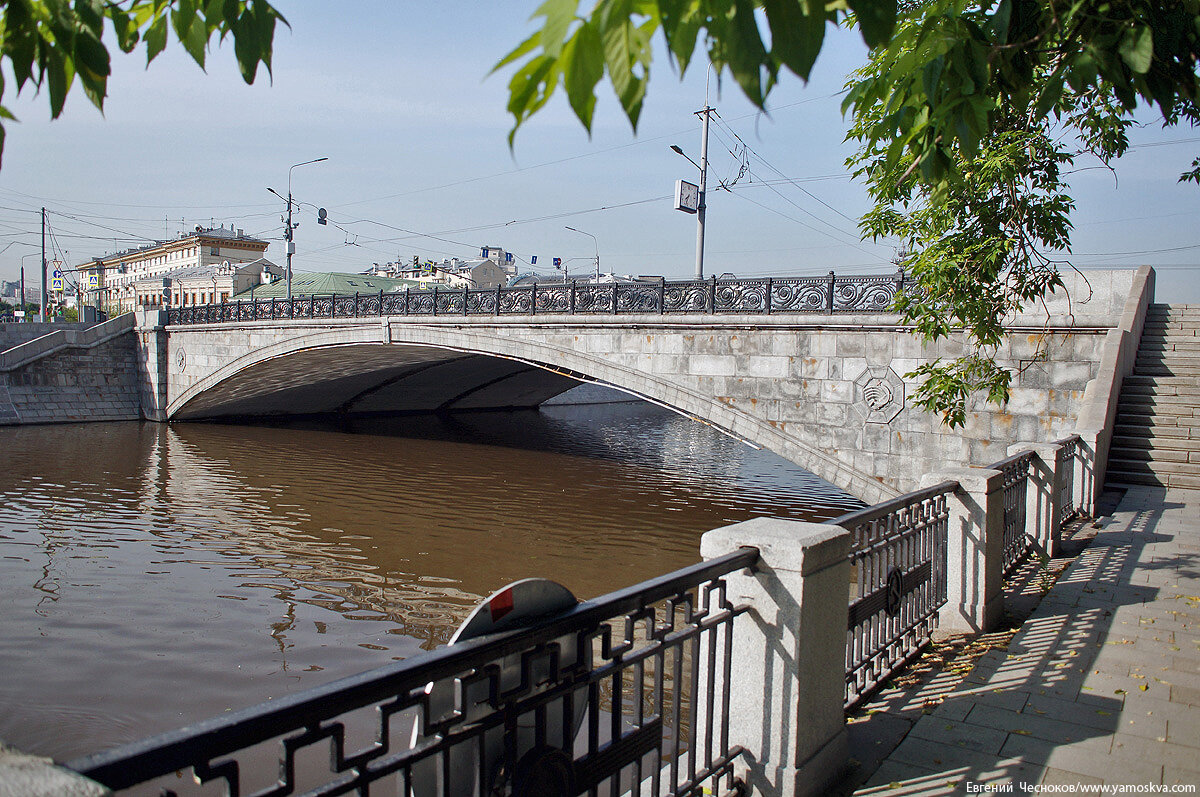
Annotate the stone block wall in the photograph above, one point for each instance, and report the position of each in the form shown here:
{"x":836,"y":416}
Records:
{"x":74,"y":384}
{"x":16,"y":334}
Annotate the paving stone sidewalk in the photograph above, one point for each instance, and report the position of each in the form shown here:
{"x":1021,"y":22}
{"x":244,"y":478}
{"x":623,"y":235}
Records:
{"x":1101,"y":684}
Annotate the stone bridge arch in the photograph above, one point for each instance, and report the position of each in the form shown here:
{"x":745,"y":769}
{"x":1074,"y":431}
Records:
{"x":363,"y":367}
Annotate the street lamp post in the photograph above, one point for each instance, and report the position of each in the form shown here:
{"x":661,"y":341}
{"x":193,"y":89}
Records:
{"x":703,"y":167}
{"x":288,"y":226}
{"x":588,"y":234}
{"x":31,"y":254}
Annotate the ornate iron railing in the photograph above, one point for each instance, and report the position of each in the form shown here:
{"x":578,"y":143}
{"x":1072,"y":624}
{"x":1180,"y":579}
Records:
{"x":1068,"y":455}
{"x":631,"y":688}
{"x":1017,"y":540}
{"x":827,"y":294}
{"x":898,"y":566}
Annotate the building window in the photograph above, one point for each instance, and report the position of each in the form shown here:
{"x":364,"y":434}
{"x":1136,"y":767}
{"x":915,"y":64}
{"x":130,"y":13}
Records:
{"x":214,"y":251}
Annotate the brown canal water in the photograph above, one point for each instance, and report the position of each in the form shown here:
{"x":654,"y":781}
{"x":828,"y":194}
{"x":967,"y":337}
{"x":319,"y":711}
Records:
{"x":152,"y":575}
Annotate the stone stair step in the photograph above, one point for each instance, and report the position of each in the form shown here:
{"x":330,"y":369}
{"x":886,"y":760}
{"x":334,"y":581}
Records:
{"x":1160,"y":386}
{"x":1153,"y":466}
{"x":1171,"y":317}
{"x":1153,"y":443}
{"x":1174,"y":480}
{"x":1169,"y":348}
{"x":1165,"y":401}
{"x":1150,"y":431}
{"x":1154,"y":455}
{"x":1151,"y":416}
{"x":1165,"y":369}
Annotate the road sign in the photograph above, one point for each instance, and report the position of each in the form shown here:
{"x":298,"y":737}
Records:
{"x":56,"y":282}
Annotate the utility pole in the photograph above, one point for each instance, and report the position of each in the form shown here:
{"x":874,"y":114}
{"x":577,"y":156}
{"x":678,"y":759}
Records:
{"x":291,"y":246}
{"x":289,"y":226}
{"x":42,"y":309}
{"x":703,"y":178}
{"x":22,"y":291}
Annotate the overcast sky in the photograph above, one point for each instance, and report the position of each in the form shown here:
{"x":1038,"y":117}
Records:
{"x":398,"y":96}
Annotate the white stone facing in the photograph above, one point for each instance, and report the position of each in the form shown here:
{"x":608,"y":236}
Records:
{"x":782,"y":382}
{"x":786,"y":696}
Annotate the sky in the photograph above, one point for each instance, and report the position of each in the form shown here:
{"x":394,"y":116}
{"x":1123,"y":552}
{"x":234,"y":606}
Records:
{"x":398,"y":97}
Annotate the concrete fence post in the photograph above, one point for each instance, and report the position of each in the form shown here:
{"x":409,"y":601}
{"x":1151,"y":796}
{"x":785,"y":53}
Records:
{"x":1043,"y":515}
{"x":790,"y":653}
{"x":23,"y":775}
{"x":1092,"y":450}
{"x":974,"y":549}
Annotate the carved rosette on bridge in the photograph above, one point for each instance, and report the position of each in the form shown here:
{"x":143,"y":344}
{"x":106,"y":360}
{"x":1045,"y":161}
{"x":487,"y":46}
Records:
{"x":181,"y":359}
{"x":879,"y":394}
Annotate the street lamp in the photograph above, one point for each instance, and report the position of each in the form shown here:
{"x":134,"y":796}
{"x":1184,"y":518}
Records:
{"x":703,"y":167}
{"x":588,"y":234}
{"x":288,"y":226}
{"x":31,"y":254}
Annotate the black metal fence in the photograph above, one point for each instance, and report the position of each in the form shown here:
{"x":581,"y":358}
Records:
{"x":898,"y":571}
{"x":1068,"y":458}
{"x":1017,"y":539}
{"x":827,"y":294}
{"x":631,"y":688}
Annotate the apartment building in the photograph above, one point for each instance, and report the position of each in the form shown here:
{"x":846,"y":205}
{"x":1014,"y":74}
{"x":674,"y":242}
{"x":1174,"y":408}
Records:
{"x":121,"y":282}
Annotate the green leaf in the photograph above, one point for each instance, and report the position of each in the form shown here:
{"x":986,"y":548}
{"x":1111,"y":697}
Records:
{"x":59,"y":77}
{"x":876,"y":18}
{"x":999,"y":22}
{"x":681,"y":23}
{"x":743,"y":50}
{"x":583,"y":67}
{"x":520,"y":51}
{"x":1137,"y":48}
{"x":195,"y":40}
{"x":90,"y":56}
{"x":623,"y":50}
{"x":156,"y":37}
{"x":797,"y":32}
{"x":558,"y":16}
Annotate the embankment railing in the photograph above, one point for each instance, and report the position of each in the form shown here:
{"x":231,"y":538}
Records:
{"x":1017,"y":539}
{"x":827,"y":294}
{"x":629,"y":688}
{"x":898,"y":571}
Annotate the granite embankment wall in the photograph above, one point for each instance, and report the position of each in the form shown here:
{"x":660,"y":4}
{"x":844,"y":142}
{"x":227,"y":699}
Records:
{"x":15,"y":334}
{"x":71,"y":373}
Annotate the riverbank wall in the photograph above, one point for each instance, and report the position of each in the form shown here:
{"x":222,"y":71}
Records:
{"x":69,"y":373}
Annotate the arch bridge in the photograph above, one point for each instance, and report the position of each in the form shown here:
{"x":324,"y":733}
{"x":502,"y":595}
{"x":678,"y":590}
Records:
{"x":812,"y":369}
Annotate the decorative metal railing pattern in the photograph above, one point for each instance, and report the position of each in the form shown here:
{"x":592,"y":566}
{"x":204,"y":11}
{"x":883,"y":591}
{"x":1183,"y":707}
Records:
{"x":898,"y":568}
{"x":1068,"y":455}
{"x":1017,"y":540}
{"x":631,"y":688}
{"x":828,"y":294}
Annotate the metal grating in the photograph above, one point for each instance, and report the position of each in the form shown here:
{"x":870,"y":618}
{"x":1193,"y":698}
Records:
{"x":898,"y":570}
{"x":630,"y":690}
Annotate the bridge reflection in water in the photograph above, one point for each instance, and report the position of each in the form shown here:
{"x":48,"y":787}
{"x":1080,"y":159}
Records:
{"x":156,"y":575}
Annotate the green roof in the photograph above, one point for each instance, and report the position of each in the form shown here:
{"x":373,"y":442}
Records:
{"x":326,"y":283}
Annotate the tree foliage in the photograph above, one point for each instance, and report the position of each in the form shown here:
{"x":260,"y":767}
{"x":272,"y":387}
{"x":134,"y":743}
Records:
{"x":967,"y":115}
{"x":53,"y":44}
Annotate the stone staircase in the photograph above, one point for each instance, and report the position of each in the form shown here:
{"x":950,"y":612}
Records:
{"x":1157,"y":435}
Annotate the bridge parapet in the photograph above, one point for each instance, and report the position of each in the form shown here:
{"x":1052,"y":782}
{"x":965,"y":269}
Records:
{"x":770,"y":295}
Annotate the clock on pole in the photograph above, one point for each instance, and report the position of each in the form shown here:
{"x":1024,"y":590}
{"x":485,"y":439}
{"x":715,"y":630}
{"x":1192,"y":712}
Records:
{"x":687,"y":196}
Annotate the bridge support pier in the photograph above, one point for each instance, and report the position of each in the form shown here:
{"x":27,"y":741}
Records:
{"x":153,"y":364}
{"x":787,"y":694}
